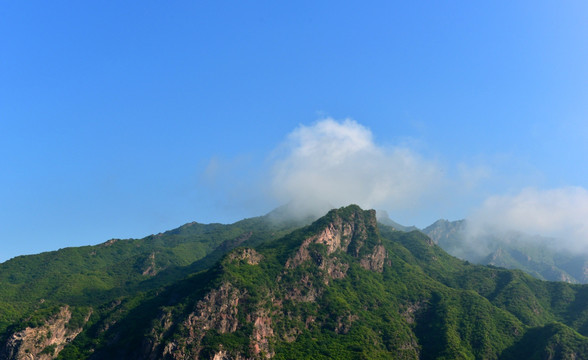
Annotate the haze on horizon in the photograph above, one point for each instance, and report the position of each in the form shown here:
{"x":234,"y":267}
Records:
{"x":122,"y":120}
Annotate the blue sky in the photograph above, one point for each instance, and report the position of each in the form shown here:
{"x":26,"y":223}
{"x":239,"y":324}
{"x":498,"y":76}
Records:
{"x":122,"y":120}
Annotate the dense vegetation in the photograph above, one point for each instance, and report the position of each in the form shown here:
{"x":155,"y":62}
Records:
{"x":342,"y":287}
{"x":94,"y":275}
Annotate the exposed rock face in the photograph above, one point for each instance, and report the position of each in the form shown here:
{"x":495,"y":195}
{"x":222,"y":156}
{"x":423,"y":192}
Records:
{"x":217,"y":311}
{"x":150,"y":270}
{"x":225,"y":355}
{"x":247,"y":255}
{"x":375,"y":260}
{"x":43,"y":342}
{"x":356,"y":235}
{"x":334,"y":268}
{"x":331,"y":237}
{"x":262,"y":333}
{"x":564,"y":277}
{"x":336,"y":236}
{"x":109,"y":242}
{"x":348,"y":235}
{"x":230,"y":308}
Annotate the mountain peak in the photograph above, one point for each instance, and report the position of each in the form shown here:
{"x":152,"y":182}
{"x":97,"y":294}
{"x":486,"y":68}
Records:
{"x":339,"y":287}
{"x":353,"y":213}
{"x":385,"y":219}
{"x":348,"y":229}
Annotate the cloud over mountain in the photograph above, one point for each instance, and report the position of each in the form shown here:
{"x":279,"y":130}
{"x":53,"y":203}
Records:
{"x":560,"y":213}
{"x":335,"y":163}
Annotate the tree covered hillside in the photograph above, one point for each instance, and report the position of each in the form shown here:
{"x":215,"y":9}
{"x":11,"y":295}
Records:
{"x":343,"y":287}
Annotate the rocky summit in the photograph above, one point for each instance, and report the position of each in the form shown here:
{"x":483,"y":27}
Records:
{"x":343,"y":286}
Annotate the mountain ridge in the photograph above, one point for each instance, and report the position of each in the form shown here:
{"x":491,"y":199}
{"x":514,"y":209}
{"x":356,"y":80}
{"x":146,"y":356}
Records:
{"x":512,"y":250}
{"x":345,"y":286}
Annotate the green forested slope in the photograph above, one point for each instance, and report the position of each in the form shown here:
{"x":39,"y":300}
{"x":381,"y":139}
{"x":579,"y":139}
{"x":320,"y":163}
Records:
{"x":342,"y":287}
{"x":93,"y":275}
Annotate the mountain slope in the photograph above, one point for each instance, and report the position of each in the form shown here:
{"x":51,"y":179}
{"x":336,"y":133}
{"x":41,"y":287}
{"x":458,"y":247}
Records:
{"x":35,"y":287}
{"x":320,"y":292}
{"x":343,"y":287}
{"x":512,"y":250}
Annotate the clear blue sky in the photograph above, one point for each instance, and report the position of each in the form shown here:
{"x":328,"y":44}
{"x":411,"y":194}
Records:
{"x":112,"y":113}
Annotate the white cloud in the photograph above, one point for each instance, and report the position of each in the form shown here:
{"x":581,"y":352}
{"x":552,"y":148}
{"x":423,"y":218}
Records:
{"x":559,"y":213}
{"x":336,"y":163}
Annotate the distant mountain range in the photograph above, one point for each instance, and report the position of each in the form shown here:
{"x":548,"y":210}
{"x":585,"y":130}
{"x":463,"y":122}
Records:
{"x":535,"y":255}
{"x":344,"y":286}
{"x":512,"y":250}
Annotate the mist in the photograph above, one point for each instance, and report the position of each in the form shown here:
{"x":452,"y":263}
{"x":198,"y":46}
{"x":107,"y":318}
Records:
{"x":335,"y":163}
{"x":555,"y":217}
